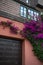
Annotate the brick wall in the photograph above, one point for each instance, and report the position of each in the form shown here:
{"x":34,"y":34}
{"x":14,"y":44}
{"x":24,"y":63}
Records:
{"x":10,"y":7}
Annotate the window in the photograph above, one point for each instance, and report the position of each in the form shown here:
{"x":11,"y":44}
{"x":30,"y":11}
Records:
{"x":23,"y":11}
{"x":29,"y":13}
{"x":36,"y":14}
{"x":33,"y":15}
{"x":27,"y":1}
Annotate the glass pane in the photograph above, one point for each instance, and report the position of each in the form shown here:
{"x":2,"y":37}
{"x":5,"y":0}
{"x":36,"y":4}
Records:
{"x":26,"y":1}
{"x":24,"y":12}
{"x":37,"y":14}
{"x":28,"y":17}
{"x":21,"y":11}
{"x":24,"y":9}
{"x":31,"y":13}
{"x":21,"y":8}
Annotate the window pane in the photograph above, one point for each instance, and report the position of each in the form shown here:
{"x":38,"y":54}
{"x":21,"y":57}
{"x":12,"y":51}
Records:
{"x":24,"y":9}
{"x":21,"y":11}
{"x":31,"y":13}
{"x":26,"y":1}
{"x":28,"y":17}
{"x":24,"y":12}
{"x":37,"y":14}
{"x":24,"y":15}
{"x":21,"y":8}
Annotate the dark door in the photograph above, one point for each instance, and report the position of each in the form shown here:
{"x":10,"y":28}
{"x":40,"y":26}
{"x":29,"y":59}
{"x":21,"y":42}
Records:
{"x":10,"y":52}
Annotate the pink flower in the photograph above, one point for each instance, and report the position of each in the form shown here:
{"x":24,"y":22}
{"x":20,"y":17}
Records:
{"x":40,"y":36}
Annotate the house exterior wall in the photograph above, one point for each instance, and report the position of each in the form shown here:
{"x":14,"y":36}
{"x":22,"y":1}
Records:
{"x":10,"y":7}
{"x":28,"y":57}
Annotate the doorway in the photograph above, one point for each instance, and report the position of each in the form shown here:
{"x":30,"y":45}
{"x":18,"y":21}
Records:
{"x":10,"y":51}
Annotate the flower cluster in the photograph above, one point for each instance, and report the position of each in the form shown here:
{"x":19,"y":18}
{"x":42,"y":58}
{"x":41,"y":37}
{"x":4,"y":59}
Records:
{"x":34,"y":28}
{"x":33,"y":31}
{"x":8,"y":23}
{"x":13,"y":29}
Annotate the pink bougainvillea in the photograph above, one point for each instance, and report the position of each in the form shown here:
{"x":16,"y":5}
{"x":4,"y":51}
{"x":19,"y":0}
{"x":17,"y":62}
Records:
{"x":33,"y":31}
{"x":13,"y":29}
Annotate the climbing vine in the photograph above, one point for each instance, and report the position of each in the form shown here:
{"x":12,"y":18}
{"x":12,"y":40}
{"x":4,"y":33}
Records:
{"x":13,"y":29}
{"x":33,"y":31}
